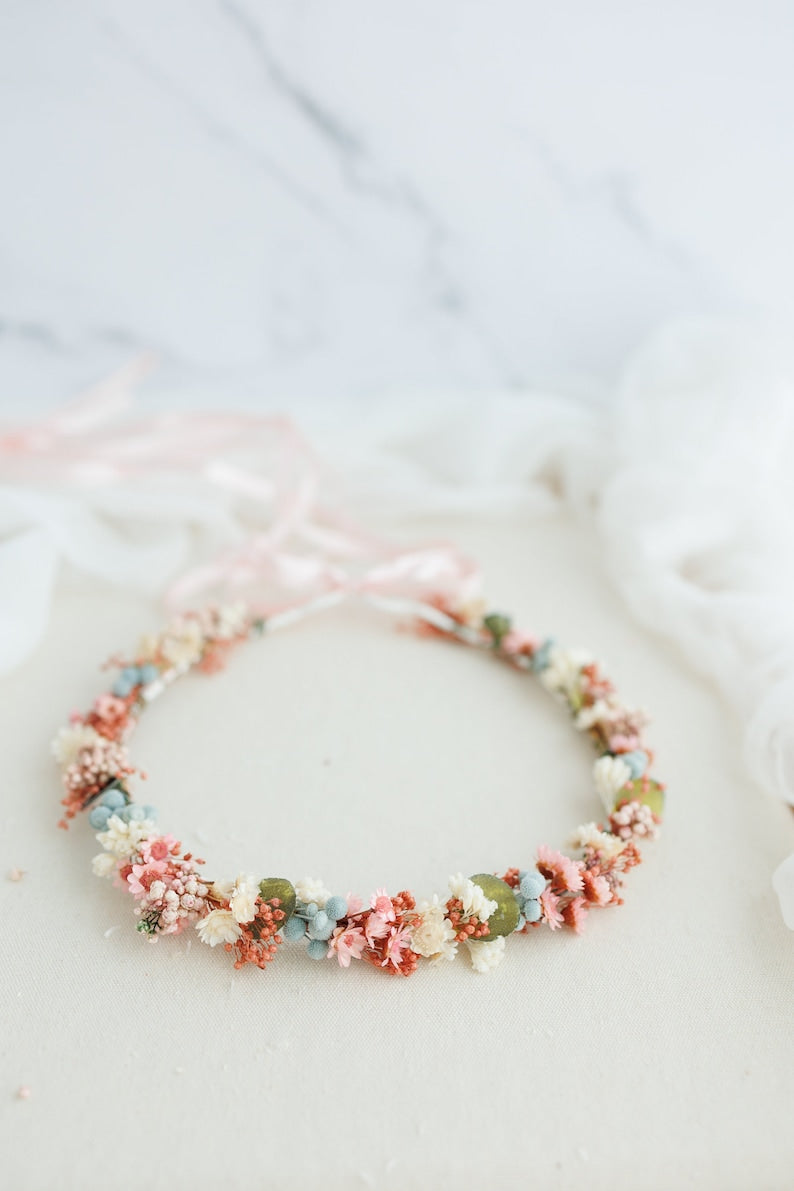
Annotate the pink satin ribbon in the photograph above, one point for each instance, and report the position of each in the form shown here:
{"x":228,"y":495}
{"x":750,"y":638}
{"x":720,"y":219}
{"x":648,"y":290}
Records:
{"x":309,"y":548}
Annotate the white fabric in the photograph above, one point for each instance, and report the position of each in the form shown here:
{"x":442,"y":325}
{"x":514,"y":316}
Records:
{"x":653,"y":1052}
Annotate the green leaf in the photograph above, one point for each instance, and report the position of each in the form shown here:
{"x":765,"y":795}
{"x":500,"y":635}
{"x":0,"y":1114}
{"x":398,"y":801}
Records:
{"x":504,"y":919}
{"x":281,"y":888}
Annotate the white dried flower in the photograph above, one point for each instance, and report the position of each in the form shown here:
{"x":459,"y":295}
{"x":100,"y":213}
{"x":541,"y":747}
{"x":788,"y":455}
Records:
{"x":71,"y":740}
{"x":242,"y":901}
{"x":311,"y":889}
{"x":600,"y":712}
{"x":589,"y":835}
{"x":473,"y":899}
{"x":104,"y":864}
{"x":486,"y":956}
{"x":434,"y":937}
{"x":610,"y":774}
{"x":122,"y":839}
{"x":219,"y":926}
{"x":230,"y":621}
{"x":183,"y":642}
{"x":561,"y":676}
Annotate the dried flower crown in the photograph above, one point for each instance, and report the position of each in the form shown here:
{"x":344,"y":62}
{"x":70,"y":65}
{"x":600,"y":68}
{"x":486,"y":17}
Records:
{"x":252,"y":917}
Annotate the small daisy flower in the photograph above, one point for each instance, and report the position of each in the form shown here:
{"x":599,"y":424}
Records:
{"x":219,"y":926}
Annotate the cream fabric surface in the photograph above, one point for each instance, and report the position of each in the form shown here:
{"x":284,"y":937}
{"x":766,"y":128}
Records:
{"x":654,"y":1051}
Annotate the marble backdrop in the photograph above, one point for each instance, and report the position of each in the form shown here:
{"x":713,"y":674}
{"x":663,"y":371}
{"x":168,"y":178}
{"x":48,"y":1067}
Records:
{"x":317,"y":199}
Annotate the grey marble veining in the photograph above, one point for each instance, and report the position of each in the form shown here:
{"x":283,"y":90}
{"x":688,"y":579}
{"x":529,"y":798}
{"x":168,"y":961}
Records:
{"x":309,"y":200}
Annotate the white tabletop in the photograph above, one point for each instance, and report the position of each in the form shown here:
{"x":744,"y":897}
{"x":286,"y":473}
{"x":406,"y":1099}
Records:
{"x":653,"y":1051}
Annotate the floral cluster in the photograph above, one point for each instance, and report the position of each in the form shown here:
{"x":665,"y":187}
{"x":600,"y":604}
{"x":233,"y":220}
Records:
{"x":250,"y":918}
{"x":379,"y":934}
{"x":91,"y":749}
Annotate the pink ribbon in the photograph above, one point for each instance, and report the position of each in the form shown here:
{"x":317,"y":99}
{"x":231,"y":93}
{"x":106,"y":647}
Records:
{"x":310,"y":547}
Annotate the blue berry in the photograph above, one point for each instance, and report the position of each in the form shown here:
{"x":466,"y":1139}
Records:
{"x":150,"y":812}
{"x":540,"y":658}
{"x":532,"y":911}
{"x":532,"y":884}
{"x":317,"y":949}
{"x":148,"y":672}
{"x":323,"y":931}
{"x":294,"y":929}
{"x":336,"y":908}
{"x":98,"y":818}
{"x":637,"y":761}
{"x":113,"y":799}
{"x":311,"y":909}
{"x":121,"y":687}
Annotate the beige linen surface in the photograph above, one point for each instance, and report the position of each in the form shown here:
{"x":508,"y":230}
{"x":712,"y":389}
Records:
{"x":654,"y":1051}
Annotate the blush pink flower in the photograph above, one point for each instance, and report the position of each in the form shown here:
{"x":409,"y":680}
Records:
{"x":550,"y":905}
{"x":398,"y":941}
{"x":517,"y":642}
{"x":564,"y":873}
{"x":110,"y":707}
{"x":157,"y":847}
{"x":346,"y":943}
{"x":382,"y":904}
{"x":376,"y":927}
{"x":143,"y":876}
{"x":620,"y":742}
{"x":354,"y":904}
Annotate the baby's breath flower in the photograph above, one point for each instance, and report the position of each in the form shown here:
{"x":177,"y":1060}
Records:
{"x":104,"y":864}
{"x":311,"y":889}
{"x":486,"y":956}
{"x":123,"y":839}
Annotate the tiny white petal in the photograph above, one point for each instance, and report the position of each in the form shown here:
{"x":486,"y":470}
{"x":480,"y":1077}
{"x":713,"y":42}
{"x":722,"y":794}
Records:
{"x":104,"y":864}
{"x":589,"y":836}
{"x":486,"y":956}
{"x":610,"y":774}
{"x":561,"y":676}
{"x":311,"y":889}
{"x":242,"y":901}
{"x":219,"y":926}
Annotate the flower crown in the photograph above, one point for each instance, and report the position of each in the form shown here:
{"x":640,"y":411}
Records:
{"x":251,"y":917}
